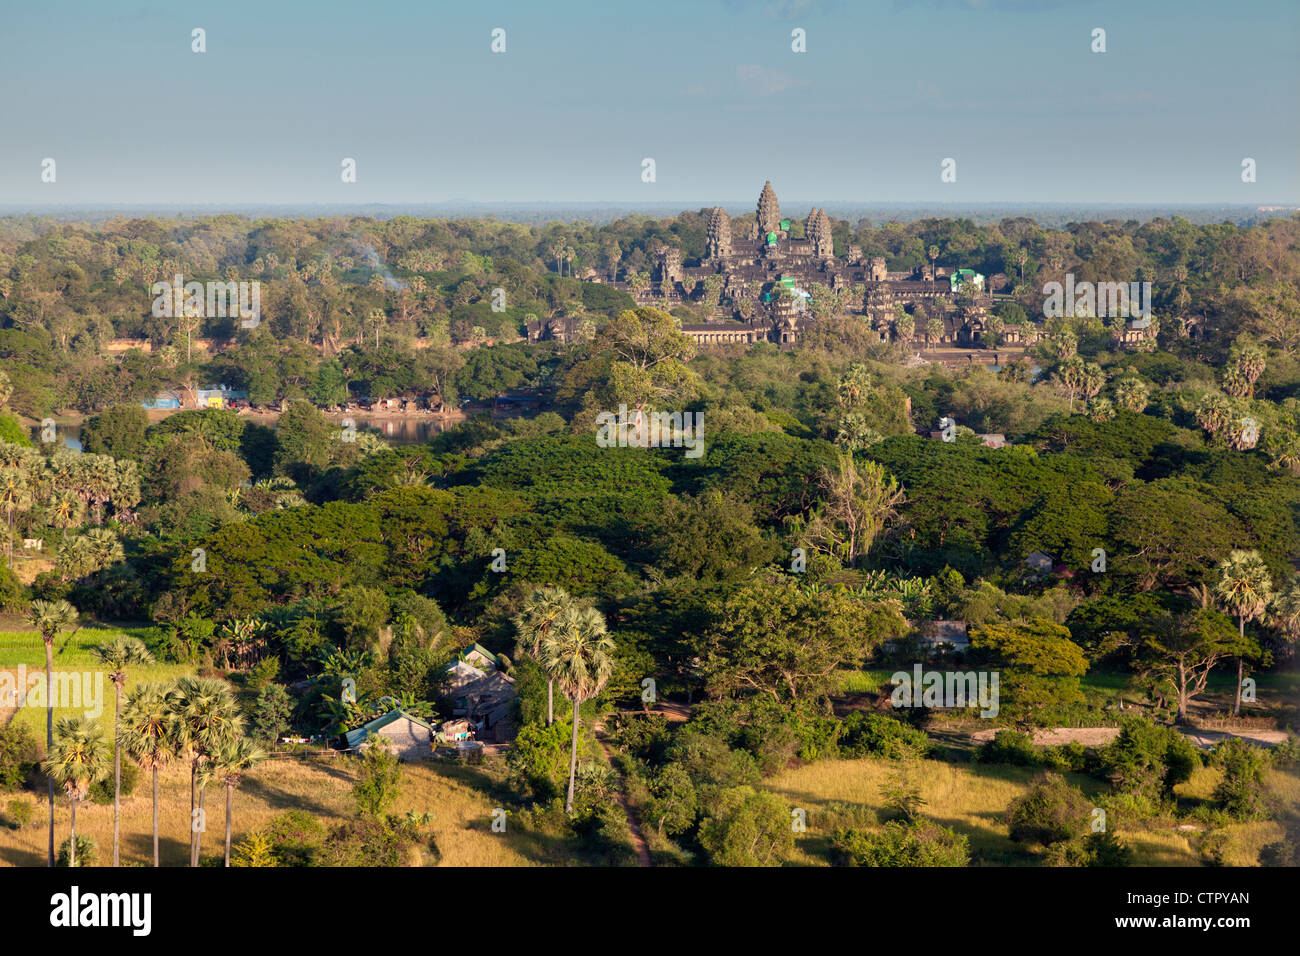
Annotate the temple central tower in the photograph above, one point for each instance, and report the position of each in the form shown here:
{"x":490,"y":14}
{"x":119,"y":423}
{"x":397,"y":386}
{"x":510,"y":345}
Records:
{"x":769,"y":211}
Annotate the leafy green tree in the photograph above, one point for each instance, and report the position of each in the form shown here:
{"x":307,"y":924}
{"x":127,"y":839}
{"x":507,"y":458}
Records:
{"x":306,"y":438}
{"x":858,"y":501}
{"x":648,"y":360}
{"x":1043,"y":667}
{"x":1183,"y":649}
{"x":774,"y":638}
{"x":747,"y":827}
{"x":118,"y":431}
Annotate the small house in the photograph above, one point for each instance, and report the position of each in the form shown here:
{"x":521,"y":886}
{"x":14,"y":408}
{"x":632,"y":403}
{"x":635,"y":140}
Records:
{"x":455,"y":730}
{"x":462,"y":673}
{"x":410,"y":737}
{"x":1039,"y":561}
{"x":938,"y":633}
{"x":163,"y":400}
{"x":479,"y":656}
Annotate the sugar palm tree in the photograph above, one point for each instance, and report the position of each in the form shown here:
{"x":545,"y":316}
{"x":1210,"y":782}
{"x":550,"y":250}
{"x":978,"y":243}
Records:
{"x":147,"y":733}
{"x":78,"y":759}
{"x":101,"y":477}
{"x":540,"y":612}
{"x":119,"y":654}
{"x":230,"y":762}
{"x":15,"y":496}
{"x":578,"y":654}
{"x":50,"y":618}
{"x":206,"y":718}
{"x":1245,"y":589}
{"x":1132,"y":393}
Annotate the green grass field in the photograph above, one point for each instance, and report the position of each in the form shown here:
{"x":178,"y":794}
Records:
{"x":72,"y":652}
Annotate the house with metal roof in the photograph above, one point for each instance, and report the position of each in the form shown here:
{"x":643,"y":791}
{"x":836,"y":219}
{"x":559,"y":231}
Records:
{"x":410,"y":737}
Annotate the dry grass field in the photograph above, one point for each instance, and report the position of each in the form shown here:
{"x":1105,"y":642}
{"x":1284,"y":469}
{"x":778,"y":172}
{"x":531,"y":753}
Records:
{"x":460,"y":799}
{"x":972,"y":799}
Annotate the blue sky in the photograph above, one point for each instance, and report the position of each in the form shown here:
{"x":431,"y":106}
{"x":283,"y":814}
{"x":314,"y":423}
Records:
{"x":708,"y":88}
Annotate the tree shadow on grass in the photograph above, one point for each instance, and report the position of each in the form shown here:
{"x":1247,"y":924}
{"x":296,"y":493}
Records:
{"x":281,"y":799}
{"x":17,"y":856}
{"x":171,"y":851}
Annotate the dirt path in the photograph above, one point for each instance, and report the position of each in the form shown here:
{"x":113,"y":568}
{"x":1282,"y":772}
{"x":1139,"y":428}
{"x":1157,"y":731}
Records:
{"x":633,"y":824}
{"x":1099,"y":736}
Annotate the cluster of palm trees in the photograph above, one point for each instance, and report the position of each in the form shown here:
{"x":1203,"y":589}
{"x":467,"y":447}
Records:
{"x":569,"y":639}
{"x":64,"y":487}
{"x":195,"y":719}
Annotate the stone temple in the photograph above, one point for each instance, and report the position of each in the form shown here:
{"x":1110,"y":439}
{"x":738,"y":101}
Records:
{"x":760,"y":281}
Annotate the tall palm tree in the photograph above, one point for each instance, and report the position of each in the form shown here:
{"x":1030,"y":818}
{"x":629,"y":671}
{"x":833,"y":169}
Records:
{"x":78,"y":759}
{"x":147,"y":734}
{"x":1245,"y":589}
{"x":15,"y":496}
{"x":207,"y":716}
{"x":119,"y":654}
{"x":578,"y":654}
{"x":540,"y":612}
{"x":1285,"y":613}
{"x":50,"y":618}
{"x":229,"y":764}
{"x":101,"y":477}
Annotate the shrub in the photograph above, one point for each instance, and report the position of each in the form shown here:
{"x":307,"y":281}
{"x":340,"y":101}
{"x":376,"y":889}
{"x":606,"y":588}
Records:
{"x":20,"y":813}
{"x":1287,"y":753}
{"x":1095,"y":849}
{"x":674,"y":804}
{"x":87,"y":852}
{"x":879,"y":735}
{"x":271,"y":713}
{"x":1009,"y":747}
{"x":378,"y":779}
{"x":13,"y":596}
{"x":1284,"y":852}
{"x":18,"y":753}
{"x":370,"y":842}
{"x":747,"y":827}
{"x":1050,"y":812}
{"x":295,"y":836}
{"x":920,"y":843}
{"x":102,"y":791}
{"x":1148,"y":759}
{"x":538,"y":761}
{"x":1241,"y":791}
{"x":255,"y":850}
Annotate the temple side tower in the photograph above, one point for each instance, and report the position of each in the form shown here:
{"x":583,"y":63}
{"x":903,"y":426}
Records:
{"x":718,"y":235}
{"x":818,"y":231}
